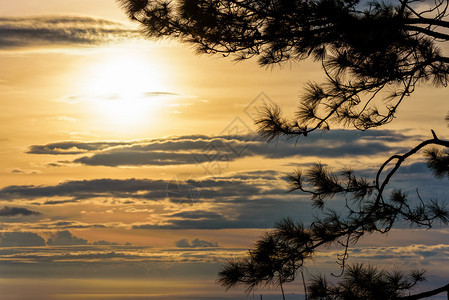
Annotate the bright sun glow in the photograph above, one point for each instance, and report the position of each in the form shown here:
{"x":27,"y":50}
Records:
{"x":126,"y":91}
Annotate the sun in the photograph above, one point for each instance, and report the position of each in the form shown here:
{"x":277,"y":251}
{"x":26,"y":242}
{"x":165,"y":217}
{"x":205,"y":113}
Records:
{"x":125,"y":91}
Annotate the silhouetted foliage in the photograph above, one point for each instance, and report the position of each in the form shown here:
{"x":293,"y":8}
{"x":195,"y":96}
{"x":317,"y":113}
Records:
{"x":438,"y":160}
{"x":361,"y":282}
{"x":373,"y":56}
{"x":365,"y":49}
{"x":371,"y":206}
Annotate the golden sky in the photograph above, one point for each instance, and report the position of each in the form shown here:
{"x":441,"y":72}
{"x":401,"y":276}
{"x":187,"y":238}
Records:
{"x":100,"y":125}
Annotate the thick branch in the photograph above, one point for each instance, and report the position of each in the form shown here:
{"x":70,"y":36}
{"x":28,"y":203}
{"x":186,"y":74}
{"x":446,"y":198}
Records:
{"x":401,"y":159}
{"x":428,"y":293}
{"x":426,"y":21}
{"x":428,"y":32}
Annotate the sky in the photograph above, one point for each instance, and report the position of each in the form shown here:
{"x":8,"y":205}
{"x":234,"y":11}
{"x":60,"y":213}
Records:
{"x":131,"y":168}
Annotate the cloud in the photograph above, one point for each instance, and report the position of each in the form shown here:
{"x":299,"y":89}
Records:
{"x":198,"y":149}
{"x":203,"y":149}
{"x":256,"y":199}
{"x":250,"y":211}
{"x":196,"y":215}
{"x":111,"y":96}
{"x":70,"y":148}
{"x":60,"y":31}
{"x":20,"y":239}
{"x":121,"y":253}
{"x":199,"y":219}
{"x":216,"y":189}
{"x":26,"y":172}
{"x":62,"y":224}
{"x":65,"y":238}
{"x":414,"y":252}
{"x":196,"y":243}
{"x":141,"y":264}
{"x":238,"y":201}
{"x":130,"y":158}
{"x":8,"y":211}
{"x":84,"y":189}
{"x":104,"y":243}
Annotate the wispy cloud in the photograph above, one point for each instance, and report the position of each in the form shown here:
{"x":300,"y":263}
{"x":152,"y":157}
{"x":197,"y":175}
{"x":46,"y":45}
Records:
{"x":256,"y":199}
{"x":111,"y":96}
{"x":57,"y":225}
{"x":121,"y":256}
{"x":196,"y":149}
{"x":56,"y":238}
{"x":84,"y":189}
{"x":72,"y":147}
{"x":65,"y":238}
{"x":8,"y":211}
{"x":239,"y":201}
{"x":417,"y":253}
{"x":213,"y":189}
{"x":196,"y":243}
{"x":117,"y":253}
{"x":61,"y":31}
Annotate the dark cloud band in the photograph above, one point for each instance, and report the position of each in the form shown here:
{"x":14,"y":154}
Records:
{"x":65,"y":31}
{"x":197,"y":149}
{"x":8,"y":211}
